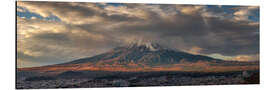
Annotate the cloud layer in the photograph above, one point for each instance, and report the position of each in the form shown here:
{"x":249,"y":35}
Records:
{"x":63,"y":31}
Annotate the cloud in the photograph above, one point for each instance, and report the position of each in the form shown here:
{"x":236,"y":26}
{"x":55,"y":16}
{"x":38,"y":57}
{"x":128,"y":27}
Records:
{"x":22,"y":63}
{"x":195,"y":50}
{"x":74,"y":13}
{"x":42,"y":41}
{"x":243,"y":13}
{"x":33,"y":17}
{"x":20,"y":9}
{"x":87,"y":29}
{"x":189,"y":10}
{"x":247,"y":57}
{"x":125,"y":11}
{"x":255,"y":57}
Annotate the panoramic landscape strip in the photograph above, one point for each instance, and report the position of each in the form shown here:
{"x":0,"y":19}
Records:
{"x":89,"y":45}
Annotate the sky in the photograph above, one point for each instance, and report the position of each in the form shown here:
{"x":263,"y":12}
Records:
{"x":57,"y":32}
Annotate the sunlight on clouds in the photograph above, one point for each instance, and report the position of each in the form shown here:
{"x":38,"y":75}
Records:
{"x":73,"y":13}
{"x":194,"y":50}
{"x":20,"y":9}
{"x":87,"y":29}
{"x":219,"y":56}
{"x":27,"y":27}
{"x":30,"y":53}
{"x":189,"y":10}
{"x":48,"y":41}
{"x":33,"y":17}
{"x":247,"y":57}
{"x":236,"y":58}
{"x":85,"y":34}
{"x":242,"y":14}
{"x":34,"y":8}
{"x":123,"y":10}
{"x":24,"y":63}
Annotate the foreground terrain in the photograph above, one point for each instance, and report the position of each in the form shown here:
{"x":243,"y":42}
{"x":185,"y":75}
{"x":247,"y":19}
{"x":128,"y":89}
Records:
{"x":86,"y":79}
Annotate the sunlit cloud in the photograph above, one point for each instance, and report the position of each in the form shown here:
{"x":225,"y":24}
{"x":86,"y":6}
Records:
{"x":237,"y":57}
{"x":244,"y":13}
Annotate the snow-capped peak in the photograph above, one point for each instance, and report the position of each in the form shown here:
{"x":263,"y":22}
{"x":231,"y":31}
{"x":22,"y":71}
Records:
{"x":149,"y":45}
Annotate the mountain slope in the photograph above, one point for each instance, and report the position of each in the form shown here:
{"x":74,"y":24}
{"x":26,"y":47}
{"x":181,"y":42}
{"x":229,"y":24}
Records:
{"x":147,"y":57}
{"x":148,"y":54}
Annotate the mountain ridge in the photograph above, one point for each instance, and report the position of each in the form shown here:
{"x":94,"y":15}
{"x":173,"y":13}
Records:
{"x":154,"y":53}
{"x":146,"y":57}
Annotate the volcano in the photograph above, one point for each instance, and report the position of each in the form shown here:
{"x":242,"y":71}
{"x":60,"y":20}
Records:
{"x":147,"y":57}
{"x":147,"y":54}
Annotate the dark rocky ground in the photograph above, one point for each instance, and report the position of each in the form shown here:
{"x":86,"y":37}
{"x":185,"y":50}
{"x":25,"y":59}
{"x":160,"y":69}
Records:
{"x":136,"y":79}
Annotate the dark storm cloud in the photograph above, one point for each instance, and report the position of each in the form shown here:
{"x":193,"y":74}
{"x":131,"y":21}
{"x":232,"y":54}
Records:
{"x":53,"y":37}
{"x":236,"y":37}
{"x":215,"y":36}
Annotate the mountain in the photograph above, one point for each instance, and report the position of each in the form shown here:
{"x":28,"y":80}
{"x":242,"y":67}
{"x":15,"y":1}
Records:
{"x":148,"y":54}
{"x":146,"y":57}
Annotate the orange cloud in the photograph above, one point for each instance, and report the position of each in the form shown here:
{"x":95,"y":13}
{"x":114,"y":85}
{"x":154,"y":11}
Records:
{"x":247,"y":57}
{"x":195,"y":50}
